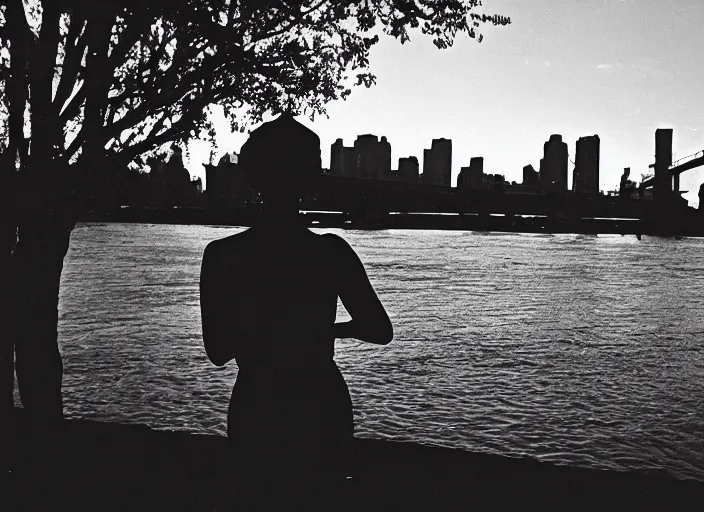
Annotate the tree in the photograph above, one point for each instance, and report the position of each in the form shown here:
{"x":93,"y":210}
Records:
{"x":87,"y":86}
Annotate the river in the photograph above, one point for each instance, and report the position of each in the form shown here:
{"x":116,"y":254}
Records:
{"x":583,"y":350}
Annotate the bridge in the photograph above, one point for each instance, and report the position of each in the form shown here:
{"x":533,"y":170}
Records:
{"x":666,"y":182}
{"x":363,"y":197}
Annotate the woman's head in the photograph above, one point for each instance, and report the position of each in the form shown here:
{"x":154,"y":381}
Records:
{"x":281,"y":159}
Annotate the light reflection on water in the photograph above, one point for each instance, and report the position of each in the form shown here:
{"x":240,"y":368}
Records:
{"x":576,"y":349}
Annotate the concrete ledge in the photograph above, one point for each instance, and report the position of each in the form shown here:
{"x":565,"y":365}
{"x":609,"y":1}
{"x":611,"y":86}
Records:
{"x":92,"y":465}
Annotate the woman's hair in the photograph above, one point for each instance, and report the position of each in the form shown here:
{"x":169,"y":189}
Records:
{"x":281,"y":156}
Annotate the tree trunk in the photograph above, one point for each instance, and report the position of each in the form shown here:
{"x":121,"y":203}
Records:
{"x":8,"y":239}
{"x":37,"y":263}
{"x":7,"y":380}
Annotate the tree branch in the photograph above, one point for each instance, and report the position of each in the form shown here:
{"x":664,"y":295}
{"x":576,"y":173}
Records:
{"x":42,"y":61}
{"x":137,"y":86}
{"x":165,"y":98}
{"x":98,"y":81}
{"x":75,"y":49}
{"x":178,"y":128}
{"x":75,"y":145}
{"x":158,"y":125}
{"x":136,"y":26}
{"x":74,"y":106}
{"x":18,"y":33}
{"x":286,"y":28}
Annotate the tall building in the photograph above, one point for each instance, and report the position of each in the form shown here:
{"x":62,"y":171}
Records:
{"x":343,"y":160}
{"x":384,"y":159}
{"x":337,"y":165}
{"x":369,"y":158}
{"x":553,"y":165}
{"x":472,"y":177}
{"x":662,"y":186}
{"x":367,"y":147}
{"x":210,"y":178}
{"x":586,"y":168}
{"x":437,"y":163}
{"x":408,"y":169}
{"x":531,"y":178}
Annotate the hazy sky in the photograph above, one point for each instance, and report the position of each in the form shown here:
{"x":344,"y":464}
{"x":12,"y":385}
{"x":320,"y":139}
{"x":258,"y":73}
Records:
{"x":616,"y":68}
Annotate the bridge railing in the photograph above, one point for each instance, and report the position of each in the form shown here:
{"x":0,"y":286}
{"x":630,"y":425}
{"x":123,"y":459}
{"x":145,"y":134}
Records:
{"x":687,"y":158}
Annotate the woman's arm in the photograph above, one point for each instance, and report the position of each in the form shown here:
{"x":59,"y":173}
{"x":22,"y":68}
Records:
{"x":370,"y":321}
{"x":216,"y":331}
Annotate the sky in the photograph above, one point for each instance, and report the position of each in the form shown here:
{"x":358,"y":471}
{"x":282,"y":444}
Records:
{"x":616,"y":68}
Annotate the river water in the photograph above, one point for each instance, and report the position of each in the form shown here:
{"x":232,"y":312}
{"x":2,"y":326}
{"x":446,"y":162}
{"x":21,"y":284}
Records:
{"x":583,"y":350}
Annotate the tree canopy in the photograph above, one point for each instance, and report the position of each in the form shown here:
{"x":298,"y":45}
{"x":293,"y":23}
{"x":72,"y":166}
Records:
{"x":81,"y":80}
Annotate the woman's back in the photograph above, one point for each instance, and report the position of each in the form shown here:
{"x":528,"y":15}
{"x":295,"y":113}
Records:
{"x":280,"y":294}
{"x":290,"y":404}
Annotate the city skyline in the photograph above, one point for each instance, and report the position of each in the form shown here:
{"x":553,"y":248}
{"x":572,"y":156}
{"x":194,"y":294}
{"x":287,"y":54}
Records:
{"x":370,"y":157}
{"x":613,"y":68}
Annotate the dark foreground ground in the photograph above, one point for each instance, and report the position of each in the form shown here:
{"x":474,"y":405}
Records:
{"x":103,"y":466}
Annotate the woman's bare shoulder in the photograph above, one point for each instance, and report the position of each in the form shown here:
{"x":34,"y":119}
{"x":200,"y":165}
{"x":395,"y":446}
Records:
{"x":226,"y":246}
{"x":334,"y":242}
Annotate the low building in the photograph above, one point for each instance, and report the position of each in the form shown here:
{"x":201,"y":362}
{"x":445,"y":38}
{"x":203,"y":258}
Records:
{"x":226,"y":184}
{"x":531,"y":178}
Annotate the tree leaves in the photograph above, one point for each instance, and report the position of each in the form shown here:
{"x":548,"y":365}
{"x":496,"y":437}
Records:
{"x":132,"y":75}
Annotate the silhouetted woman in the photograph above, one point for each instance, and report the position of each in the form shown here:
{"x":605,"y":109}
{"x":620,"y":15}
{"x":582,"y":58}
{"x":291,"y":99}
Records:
{"x":268,"y":301}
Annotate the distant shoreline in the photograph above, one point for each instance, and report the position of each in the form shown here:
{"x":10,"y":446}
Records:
{"x":413,"y":221}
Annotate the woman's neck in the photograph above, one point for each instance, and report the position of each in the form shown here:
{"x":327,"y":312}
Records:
{"x":279,"y":224}
{"x":279,"y":214}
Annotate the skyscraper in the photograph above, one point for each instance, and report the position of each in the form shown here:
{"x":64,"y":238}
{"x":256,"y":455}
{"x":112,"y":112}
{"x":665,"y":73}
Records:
{"x":343,"y":160}
{"x":553,"y":165}
{"x":337,"y":165}
{"x":586,"y":169}
{"x":367,"y":150}
{"x":369,"y":158}
{"x":384,"y":158}
{"x":437,"y":163}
